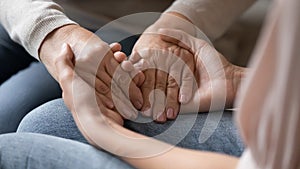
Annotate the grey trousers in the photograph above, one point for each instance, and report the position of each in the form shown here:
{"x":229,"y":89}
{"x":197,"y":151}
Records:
{"x":67,"y":148}
{"x":24,"y":84}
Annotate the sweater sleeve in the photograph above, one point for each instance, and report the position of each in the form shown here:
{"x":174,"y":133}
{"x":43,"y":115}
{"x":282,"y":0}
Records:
{"x":28,"y":22}
{"x":213,"y":17}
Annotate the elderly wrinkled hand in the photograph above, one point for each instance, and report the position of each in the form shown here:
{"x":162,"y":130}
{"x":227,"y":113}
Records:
{"x":168,"y":70}
{"x":217,"y":79}
{"x":95,"y":63}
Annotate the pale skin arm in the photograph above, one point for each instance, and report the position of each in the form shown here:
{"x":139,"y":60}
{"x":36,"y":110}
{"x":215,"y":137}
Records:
{"x":178,"y":158}
{"x":121,"y":141}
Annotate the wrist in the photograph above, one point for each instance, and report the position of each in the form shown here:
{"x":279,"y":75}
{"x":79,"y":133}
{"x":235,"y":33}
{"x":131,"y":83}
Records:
{"x":72,"y":34}
{"x":173,"y":20}
{"x":56,"y":38}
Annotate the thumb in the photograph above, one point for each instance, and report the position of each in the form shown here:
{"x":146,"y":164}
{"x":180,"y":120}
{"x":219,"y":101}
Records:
{"x":64,"y":67}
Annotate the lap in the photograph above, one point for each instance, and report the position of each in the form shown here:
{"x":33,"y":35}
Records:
{"x":37,"y":151}
{"x":53,"y":118}
{"x":24,"y":83}
{"x":23,"y":92}
{"x":13,"y":57}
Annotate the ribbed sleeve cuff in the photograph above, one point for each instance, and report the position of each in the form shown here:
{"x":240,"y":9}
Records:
{"x":42,"y":29}
{"x":187,"y":11}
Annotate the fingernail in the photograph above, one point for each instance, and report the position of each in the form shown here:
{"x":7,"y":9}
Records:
{"x":133,"y":116}
{"x":138,"y":104}
{"x":170,"y":113}
{"x":111,"y":105}
{"x":127,"y":66}
{"x":147,"y":112}
{"x":182,"y":99}
{"x":161,"y":117}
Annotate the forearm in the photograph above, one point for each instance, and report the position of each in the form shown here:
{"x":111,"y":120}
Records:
{"x":213,"y":17}
{"x":178,"y":158}
{"x":141,"y":151}
{"x":174,"y":157}
{"x":51,"y":46}
{"x":29,"y":22}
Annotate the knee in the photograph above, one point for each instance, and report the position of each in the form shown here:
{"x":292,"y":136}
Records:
{"x":45,"y":119}
{"x":9,"y":144}
{"x":52,"y":118}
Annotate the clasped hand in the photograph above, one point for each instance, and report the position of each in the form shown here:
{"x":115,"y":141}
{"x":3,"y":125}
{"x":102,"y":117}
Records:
{"x":174,"y":65}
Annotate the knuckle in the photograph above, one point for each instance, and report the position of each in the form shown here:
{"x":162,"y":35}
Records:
{"x":65,"y":75}
{"x":102,"y":88}
{"x":100,"y":47}
{"x":188,"y":80}
{"x":175,"y":75}
{"x":123,"y":80}
{"x":147,"y":88}
{"x":172,"y":98}
{"x":148,"y":83}
{"x":84,"y":61}
{"x":172,"y":83}
{"x":58,"y":60}
{"x":160,"y":85}
{"x":172,"y":103}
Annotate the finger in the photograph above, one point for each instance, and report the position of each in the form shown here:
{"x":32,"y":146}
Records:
{"x":135,"y":95}
{"x":115,"y":47}
{"x":146,"y":88}
{"x":174,"y":82}
{"x":137,"y":74}
{"x":141,"y":65}
{"x":123,"y":79}
{"x":127,"y":66}
{"x":102,"y":73}
{"x":158,"y":111}
{"x":120,"y":56}
{"x":122,"y":103}
{"x":65,"y":69}
{"x":103,"y":91}
{"x":138,"y":77}
{"x":103,"y":84}
{"x":106,"y":101}
{"x":172,"y":104}
{"x":111,"y":65}
{"x":134,"y":57}
{"x":105,"y":78}
{"x":101,"y":87}
{"x":186,"y":88}
{"x":158,"y":108}
{"x":64,"y":65}
{"x":187,"y":77}
{"x":108,"y":112}
{"x":129,"y":88}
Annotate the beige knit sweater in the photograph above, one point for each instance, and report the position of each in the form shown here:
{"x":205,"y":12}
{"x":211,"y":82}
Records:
{"x":29,"y":21}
